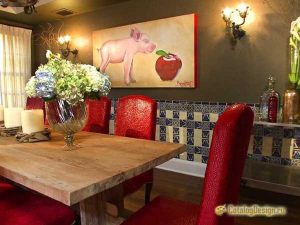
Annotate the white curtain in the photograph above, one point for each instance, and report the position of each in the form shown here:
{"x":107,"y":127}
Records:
{"x":15,"y":65}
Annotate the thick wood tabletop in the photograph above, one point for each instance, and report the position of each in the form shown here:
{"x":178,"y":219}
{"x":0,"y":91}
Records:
{"x":102,"y":162}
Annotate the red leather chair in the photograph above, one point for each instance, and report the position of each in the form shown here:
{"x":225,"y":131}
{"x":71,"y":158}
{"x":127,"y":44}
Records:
{"x":35,"y":103}
{"x":136,"y":118}
{"x":98,"y":115}
{"x":222,"y":178}
{"x":20,"y":207}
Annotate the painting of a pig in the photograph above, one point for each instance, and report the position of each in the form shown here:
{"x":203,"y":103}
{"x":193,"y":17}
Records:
{"x":153,"y":54}
{"x":124,"y":50}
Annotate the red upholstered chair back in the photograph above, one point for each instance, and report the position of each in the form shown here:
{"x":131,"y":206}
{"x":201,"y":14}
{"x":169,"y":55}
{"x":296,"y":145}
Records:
{"x":136,"y":117}
{"x":35,"y":103}
{"x":98,"y":115}
{"x":227,"y":157}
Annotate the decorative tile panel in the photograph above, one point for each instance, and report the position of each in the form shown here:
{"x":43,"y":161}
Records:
{"x":192,"y":124}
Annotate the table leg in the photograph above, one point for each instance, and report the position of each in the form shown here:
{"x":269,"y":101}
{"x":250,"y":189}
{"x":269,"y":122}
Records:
{"x":92,"y":211}
{"x":115,"y":200}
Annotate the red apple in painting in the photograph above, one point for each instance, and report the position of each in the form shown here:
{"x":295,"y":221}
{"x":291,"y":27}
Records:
{"x":167,"y":65}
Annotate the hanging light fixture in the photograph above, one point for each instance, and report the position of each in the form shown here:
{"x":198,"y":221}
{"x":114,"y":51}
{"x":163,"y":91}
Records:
{"x":28,"y":5}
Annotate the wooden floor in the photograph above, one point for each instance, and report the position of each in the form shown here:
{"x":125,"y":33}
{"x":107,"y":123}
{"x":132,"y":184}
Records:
{"x":188,"y":188}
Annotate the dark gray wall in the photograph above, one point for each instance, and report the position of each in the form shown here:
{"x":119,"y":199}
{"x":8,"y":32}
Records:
{"x":224,"y":74}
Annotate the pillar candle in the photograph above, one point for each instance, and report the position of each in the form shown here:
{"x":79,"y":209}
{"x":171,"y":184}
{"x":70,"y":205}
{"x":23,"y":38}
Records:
{"x":1,"y":113}
{"x":32,"y":121}
{"x":12,"y":117}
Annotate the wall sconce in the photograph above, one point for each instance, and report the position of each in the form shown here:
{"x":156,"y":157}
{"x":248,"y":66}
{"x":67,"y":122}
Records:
{"x":232,"y":17}
{"x":64,"y":46}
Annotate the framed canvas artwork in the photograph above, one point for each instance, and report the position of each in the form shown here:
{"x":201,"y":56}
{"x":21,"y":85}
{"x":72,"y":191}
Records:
{"x":155,"y":54}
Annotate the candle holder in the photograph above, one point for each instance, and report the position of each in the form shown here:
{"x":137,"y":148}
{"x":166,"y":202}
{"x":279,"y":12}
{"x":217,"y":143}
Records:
{"x":9,"y":132}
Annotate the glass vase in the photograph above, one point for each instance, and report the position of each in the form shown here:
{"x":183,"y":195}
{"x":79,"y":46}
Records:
{"x":66,"y":119}
{"x":291,"y":106}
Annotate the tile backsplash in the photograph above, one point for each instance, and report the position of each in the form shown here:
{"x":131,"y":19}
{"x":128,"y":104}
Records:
{"x":192,"y":124}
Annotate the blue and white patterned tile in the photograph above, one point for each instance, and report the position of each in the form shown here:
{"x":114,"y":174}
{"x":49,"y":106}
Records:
{"x":198,"y":125}
{"x":258,"y":130}
{"x":190,"y":132}
{"x":191,"y":124}
{"x":297,"y":132}
{"x":190,"y":107}
{"x":162,"y":129}
{"x":162,"y":113}
{"x":176,"y":123}
{"x":296,"y":154}
{"x":205,"y":117}
{"x":190,"y":140}
{"x":288,"y":133}
{"x":169,"y":122}
{"x":276,"y":147}
{"x":205,"y":151}
{"x":190,"y":149}
{"x":204,"y":159}
{"x":212,"y":125}
{"x":176,"y":131}
{"x":197,"y":107}
{"x":162,"y":105}
{"x":278,"y":132}
{"x":205,"y":134}
{"x":190,"y":157}
{"x":205,"y":125}
{"x":295,"y":162}
{"x":162,"y":137}
{"x":213,"y":108}
{"x":175,"y":114}
{"x":205,"y":142}
{"x":162,"y":121}
{"x":268,"y":131}
{"x":198,"y":150}
{"x":183,"y":123}
{"x":190,"y":115}
{"x":176,"y":139}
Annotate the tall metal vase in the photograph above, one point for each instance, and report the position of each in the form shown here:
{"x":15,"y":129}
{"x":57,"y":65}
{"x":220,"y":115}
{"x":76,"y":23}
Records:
{"x":291,"y":106}
{"x":66,"y":119}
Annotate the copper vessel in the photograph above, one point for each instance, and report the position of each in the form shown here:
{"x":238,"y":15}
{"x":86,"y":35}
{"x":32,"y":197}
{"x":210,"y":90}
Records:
{"x":291,"y":106}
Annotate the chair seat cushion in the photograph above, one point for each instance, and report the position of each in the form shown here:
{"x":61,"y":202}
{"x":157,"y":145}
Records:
{"x":132,"y":185}
{"x":165,"y":211}
{"x":20,"y":207}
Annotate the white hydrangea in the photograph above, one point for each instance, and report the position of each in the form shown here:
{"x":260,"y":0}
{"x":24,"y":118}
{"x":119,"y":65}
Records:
{"x":30,"y":87}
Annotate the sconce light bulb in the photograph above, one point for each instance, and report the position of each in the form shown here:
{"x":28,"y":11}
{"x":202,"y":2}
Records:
{"x":227,"y":14}
{"x":61,"y":40}
{"x":243,"y":9}
{"x":67,"y":38}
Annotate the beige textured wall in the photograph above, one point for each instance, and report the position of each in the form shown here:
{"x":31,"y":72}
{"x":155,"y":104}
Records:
{"x":224,"y":74}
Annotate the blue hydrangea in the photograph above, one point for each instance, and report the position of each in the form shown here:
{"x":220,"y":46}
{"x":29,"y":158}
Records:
{"x":45,"y":84}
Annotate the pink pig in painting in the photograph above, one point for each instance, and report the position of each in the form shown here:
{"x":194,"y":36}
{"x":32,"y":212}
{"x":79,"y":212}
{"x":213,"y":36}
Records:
{"x":124,"y":50}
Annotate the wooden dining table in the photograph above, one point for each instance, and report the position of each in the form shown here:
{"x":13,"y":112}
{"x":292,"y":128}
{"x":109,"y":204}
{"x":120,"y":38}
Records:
{"x":82,"y":176}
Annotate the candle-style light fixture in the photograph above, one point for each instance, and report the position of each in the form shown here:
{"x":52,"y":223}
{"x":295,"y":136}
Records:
{"x":64,"y":45}
{"x":235,"y":18}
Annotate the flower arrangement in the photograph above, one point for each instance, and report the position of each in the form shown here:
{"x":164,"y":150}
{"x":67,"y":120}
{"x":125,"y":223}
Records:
{"x":62,"y":79}
{"x":294,"y":53}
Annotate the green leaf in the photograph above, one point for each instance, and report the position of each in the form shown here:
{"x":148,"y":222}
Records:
{"x":161,"y":52}
{"x":293,"y":78}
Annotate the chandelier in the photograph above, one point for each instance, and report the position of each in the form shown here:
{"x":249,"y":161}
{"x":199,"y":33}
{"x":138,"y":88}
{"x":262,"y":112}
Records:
{"x":28,"y":5}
